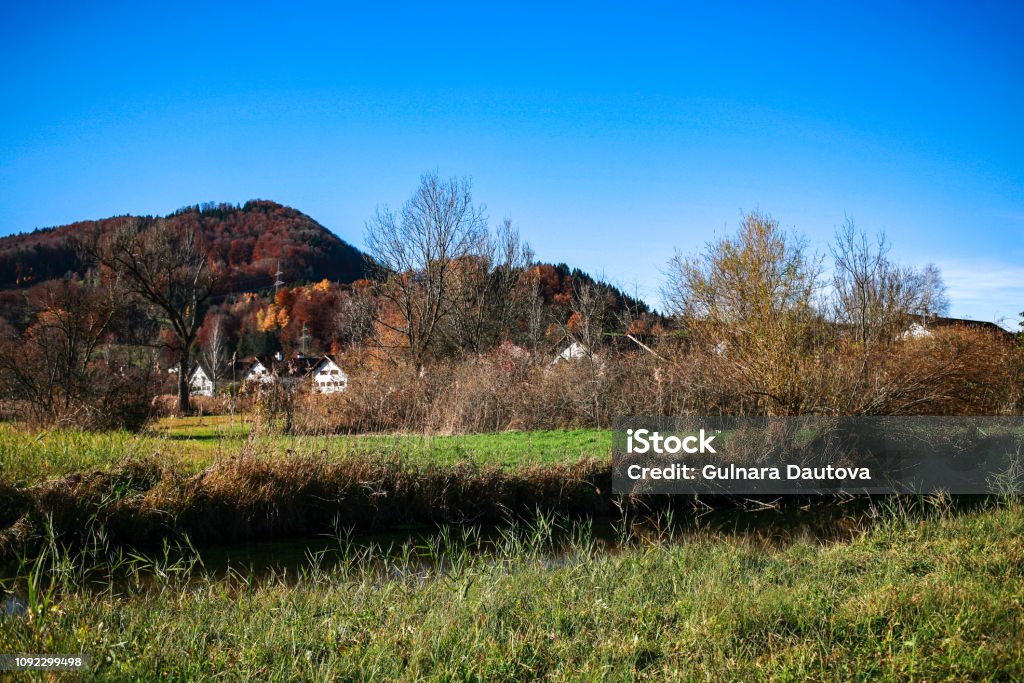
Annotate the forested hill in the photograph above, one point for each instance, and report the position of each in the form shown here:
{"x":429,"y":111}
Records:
{"x":249,"y":243}
{"x":250,"y":240}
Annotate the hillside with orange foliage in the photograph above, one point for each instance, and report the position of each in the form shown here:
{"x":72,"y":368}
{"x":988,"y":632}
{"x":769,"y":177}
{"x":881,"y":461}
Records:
{"x":248,"y":243}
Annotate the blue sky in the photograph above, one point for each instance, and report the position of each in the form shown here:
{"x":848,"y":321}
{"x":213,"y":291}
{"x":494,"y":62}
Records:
{"x":611,"y":135}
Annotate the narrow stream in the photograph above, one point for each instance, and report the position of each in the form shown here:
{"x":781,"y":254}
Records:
{"x":422,"y":551}
{"x":772,"y":527}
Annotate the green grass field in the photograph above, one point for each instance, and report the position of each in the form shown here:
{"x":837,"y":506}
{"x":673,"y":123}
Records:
{"x":930,"y":596}
{"x":190,"y":444}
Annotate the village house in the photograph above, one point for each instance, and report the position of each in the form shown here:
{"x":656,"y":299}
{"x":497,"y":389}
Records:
{"x":319,"y":374}
{"x":200,"y":382}
{"x":294,"y":372}
{"x":925,"y":326}
{"x":575,"y":351}
{"x":328,"y":377}
{"x":254,"y":371}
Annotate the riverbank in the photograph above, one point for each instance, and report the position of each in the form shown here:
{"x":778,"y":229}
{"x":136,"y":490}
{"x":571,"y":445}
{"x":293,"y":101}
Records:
{"x":210,"y":480}
{"x":142,"y":503}
{"x":919,"y":594}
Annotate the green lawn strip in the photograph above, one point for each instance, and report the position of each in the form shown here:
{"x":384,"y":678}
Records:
{"x":190,"y":444}
{"x":202,"y":427}
{"x":507,"y":449}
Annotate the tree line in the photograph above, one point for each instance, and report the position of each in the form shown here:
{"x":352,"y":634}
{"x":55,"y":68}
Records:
{"x":755,"y":322}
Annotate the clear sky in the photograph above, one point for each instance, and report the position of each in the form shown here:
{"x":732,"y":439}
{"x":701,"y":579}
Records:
{"x":610,"y":133}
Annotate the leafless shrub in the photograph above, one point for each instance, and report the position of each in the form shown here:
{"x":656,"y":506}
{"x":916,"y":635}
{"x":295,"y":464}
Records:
{"x":417,"y":252}
{"x":751,"y":300}
{"x":166,"y":405}
{"x":272,"y":408}
{"x":62,"y":371}
{"x":876,"y":297}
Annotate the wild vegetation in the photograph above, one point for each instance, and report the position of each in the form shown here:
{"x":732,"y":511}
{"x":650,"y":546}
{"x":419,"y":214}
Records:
{"x":916,"y":593}
{"x":218,"y":482}
{"x":141,"y":503}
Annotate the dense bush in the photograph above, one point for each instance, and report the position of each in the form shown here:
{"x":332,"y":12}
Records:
{"x":955,"y":371}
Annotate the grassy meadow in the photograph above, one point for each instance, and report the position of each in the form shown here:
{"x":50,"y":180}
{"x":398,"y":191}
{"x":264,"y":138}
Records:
{"x":192,"y":443}
{"x":915,"y":595}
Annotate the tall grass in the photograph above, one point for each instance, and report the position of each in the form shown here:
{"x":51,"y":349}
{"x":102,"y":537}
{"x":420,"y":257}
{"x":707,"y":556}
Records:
{"x":31,"y":456}
{"x":251,"y":497}
{"x":930,"y":595}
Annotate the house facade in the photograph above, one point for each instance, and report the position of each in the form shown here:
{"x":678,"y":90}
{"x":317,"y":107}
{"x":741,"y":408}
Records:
{"x":322,"y":375}
{"x":200,"y":382}
{"x":328,"y":377}
{"x":574,"y":351}
{"x":257,"y":373}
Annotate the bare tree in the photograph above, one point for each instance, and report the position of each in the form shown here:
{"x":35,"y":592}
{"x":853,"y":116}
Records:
{"x":755,"y":276}
{"x":933,"y":299}
{"x":535,"y":312}
{"x":215,"y":352}
{"x":53,"y":366}
{"x":354,"y":317}
{"x":868,"y":290}
{"x":416,"y":252}
{"x":875,"y":296}
{"x":487,"y":290}
{"x":589,"y":315}
{"x":585,"y":327}
{"x":166,"y":268}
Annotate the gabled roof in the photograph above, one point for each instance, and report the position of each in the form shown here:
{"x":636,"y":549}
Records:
{"x":245,"y":364}
{"x":941,"y":321}
{"x":200,"y":365}
{"x":323,"y":360}
{"x":573,"y":351}
{"x":242,"y":366}
{"x":296,"y":366}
